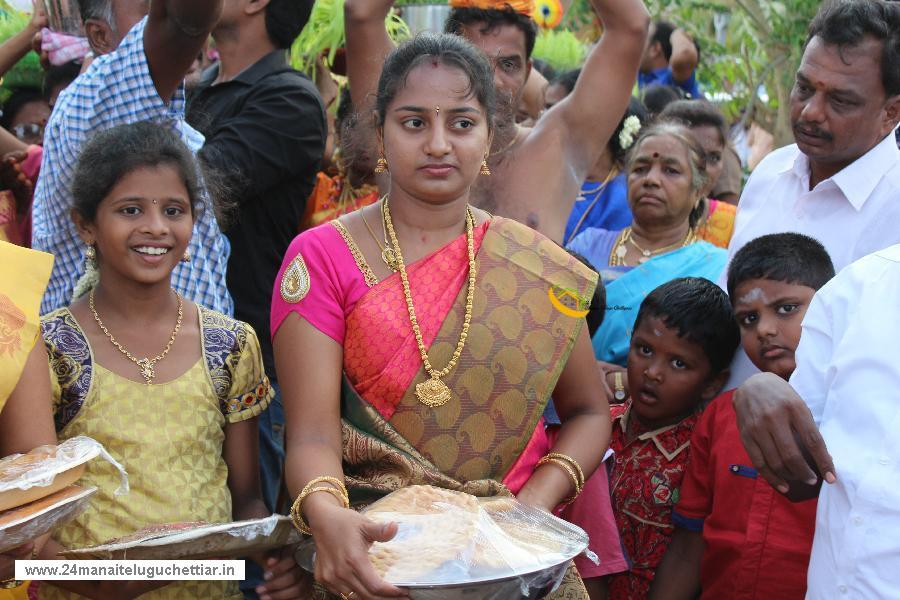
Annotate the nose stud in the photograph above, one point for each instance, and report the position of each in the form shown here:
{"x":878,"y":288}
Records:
{"x":437,"y":111}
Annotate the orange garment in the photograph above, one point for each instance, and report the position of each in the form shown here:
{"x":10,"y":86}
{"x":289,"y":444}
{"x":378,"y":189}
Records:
{"x":525,"y":7}
{"x":333,"y":197}
{"x":719,"y":224}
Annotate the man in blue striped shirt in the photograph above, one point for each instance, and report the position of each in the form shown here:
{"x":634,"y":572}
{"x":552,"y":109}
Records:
{"x":144,"y":51}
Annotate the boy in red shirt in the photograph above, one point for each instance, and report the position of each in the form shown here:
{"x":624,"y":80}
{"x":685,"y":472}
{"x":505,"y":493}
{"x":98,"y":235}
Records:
{"x":683,"y":340}
{"x":736,"y":537}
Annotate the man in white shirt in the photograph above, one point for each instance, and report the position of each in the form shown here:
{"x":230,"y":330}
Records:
{"x":840,"y":183}
{"x":847,"y":382}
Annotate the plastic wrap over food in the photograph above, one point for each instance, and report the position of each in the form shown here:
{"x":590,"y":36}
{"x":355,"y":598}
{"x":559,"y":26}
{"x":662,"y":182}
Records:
{"x":493,"y":547}
{"x":40,"y":467}
{"x":26,"y":523}
{"x":196,"y":540}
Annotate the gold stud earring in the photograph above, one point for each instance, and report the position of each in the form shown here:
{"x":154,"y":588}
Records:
{"x":90,"y":253}
{"x":485,"y":169}
{"x":381,"y":166}
{"x":187,"y":256}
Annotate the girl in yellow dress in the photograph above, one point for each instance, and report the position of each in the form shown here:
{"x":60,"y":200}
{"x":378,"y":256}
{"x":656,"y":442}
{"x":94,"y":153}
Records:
{"x":25,"y":420}
{"x":171,"y":389}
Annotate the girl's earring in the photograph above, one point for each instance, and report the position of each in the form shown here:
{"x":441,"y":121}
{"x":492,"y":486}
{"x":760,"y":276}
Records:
{"x":485,"y":169}
{"x":381,"y":166}
{"x":91,"y":275}
{"x":187,"y":256}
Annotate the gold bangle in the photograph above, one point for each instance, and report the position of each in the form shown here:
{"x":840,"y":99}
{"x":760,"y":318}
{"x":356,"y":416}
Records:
{"x":339,"y":491}
{"x":571,"y":461}
{"x":565,"y":467}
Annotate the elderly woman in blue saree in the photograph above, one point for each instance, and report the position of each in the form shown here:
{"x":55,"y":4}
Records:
{"x":666,"y":175}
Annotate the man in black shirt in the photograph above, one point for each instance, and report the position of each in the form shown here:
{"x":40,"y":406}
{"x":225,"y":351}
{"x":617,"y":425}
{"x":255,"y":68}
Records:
{"x":265,"y":134}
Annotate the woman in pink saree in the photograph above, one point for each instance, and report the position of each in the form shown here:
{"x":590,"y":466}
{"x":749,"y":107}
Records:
{"x":419,"y":339}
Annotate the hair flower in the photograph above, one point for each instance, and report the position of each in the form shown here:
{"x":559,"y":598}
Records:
{"x":630,"y":127}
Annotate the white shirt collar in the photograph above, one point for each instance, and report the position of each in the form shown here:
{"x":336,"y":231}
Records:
{"x":857,"y":180}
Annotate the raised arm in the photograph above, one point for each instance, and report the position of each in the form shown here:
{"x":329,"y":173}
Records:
{"x":589,"y":115}
{"x":684,"y":56}
{"x":175,"y":34}
{"x":15,"y":48}
{"x":367,"y":46}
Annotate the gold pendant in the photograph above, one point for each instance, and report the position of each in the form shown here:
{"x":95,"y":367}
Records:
{"x":621,"y":251}
{"x":390,"y":258}
{"x":146,"y":368}
{"x":433,"y":392}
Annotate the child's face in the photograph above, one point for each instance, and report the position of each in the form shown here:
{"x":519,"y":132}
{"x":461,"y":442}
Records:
{"x":769,"y":314}
{"x":143,"y":226}
{"x":668,"y":376}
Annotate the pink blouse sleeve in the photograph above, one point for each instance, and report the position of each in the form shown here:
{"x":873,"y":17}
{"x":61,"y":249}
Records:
{"x":319,"y":281}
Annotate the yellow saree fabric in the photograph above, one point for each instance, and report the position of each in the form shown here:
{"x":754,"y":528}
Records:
{"x":23,"y":277}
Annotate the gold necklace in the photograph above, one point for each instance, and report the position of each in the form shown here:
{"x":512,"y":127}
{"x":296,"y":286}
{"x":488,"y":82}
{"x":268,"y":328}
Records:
{"x":619,"y":250}
{"x":387,"y":253}
{"x":433,"y":392}
{"x":144,"y":364}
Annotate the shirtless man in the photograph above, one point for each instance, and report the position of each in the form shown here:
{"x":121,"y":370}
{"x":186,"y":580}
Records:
{"x":536,"y":172}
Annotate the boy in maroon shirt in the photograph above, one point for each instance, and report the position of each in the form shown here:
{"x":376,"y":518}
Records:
{"x":684,"y":339}
{"x":736,"y":537}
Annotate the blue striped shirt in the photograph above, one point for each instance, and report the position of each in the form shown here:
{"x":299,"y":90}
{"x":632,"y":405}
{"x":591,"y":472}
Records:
{"x":117,"y":89}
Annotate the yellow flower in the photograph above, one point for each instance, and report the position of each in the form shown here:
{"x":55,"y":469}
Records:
{"x":548,"y":13}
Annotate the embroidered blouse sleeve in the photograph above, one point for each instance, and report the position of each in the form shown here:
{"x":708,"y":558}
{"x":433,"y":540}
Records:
{"x":310,"y":282}
{"x":250,"y":391}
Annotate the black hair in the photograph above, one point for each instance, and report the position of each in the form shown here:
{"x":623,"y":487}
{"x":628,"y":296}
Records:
{"x":696,"y":160}
{"x":697,"y":113}
{"x":787,"y":257}
{"x":19,"y":98}
{"x":285,"y":19}
{"x":60,"y":76}
{"x":567,"y":80}
{"x":657,"y":97}
{"x":450,"y":50}
{"x":699,"y":311}
{"x":544,"y":68}
{"x":597,"y":310}
{"x":635,"y":109}
{"x":849,"y":22}
{"x":662,"y":33}
{"x":101,"y":10}
{"x":111,"y":154}
{"x":490,"y":19}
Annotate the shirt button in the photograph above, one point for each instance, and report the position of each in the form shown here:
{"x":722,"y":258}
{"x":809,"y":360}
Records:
{"x":842,"y":589}
{"x":884,"y":460}
{"x":857,"y":520}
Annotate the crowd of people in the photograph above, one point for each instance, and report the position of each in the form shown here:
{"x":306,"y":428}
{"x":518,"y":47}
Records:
{"x":461,"y":269}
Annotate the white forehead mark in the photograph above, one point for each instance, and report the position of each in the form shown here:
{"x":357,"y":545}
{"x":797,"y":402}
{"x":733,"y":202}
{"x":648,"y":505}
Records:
{"x":657,"y":332}
{"x":752,"y":295}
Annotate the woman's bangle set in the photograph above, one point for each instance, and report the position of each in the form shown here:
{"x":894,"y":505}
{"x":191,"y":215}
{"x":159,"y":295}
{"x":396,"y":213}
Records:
{"x":335,"y":487}
{"x":570,"y":466}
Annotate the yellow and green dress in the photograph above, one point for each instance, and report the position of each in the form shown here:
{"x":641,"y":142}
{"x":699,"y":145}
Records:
{"x":168,"y":436}
{"x":23,"y":277}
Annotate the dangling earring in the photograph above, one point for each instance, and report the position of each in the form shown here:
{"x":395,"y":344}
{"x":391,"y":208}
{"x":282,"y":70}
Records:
{"x":485,"y":169}
{"x":381,"y":166}
{"x":91,"y":275}
{"x":187,"y":256}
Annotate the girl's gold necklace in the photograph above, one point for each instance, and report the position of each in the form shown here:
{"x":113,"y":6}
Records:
{"x":146,"y":365}
{"x":433,"y":392}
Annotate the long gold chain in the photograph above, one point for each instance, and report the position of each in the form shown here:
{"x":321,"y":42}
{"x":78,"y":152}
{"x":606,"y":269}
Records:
{"x":144,"y":364}
{"x":433,"y":392}
{"x":619,"y":251}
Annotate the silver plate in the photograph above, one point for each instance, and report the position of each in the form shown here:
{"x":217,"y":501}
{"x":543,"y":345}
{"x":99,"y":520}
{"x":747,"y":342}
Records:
{"x":539,"y":583}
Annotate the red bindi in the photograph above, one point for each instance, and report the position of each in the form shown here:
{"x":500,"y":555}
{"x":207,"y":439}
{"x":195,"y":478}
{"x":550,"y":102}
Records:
{"x":656,"y":155}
